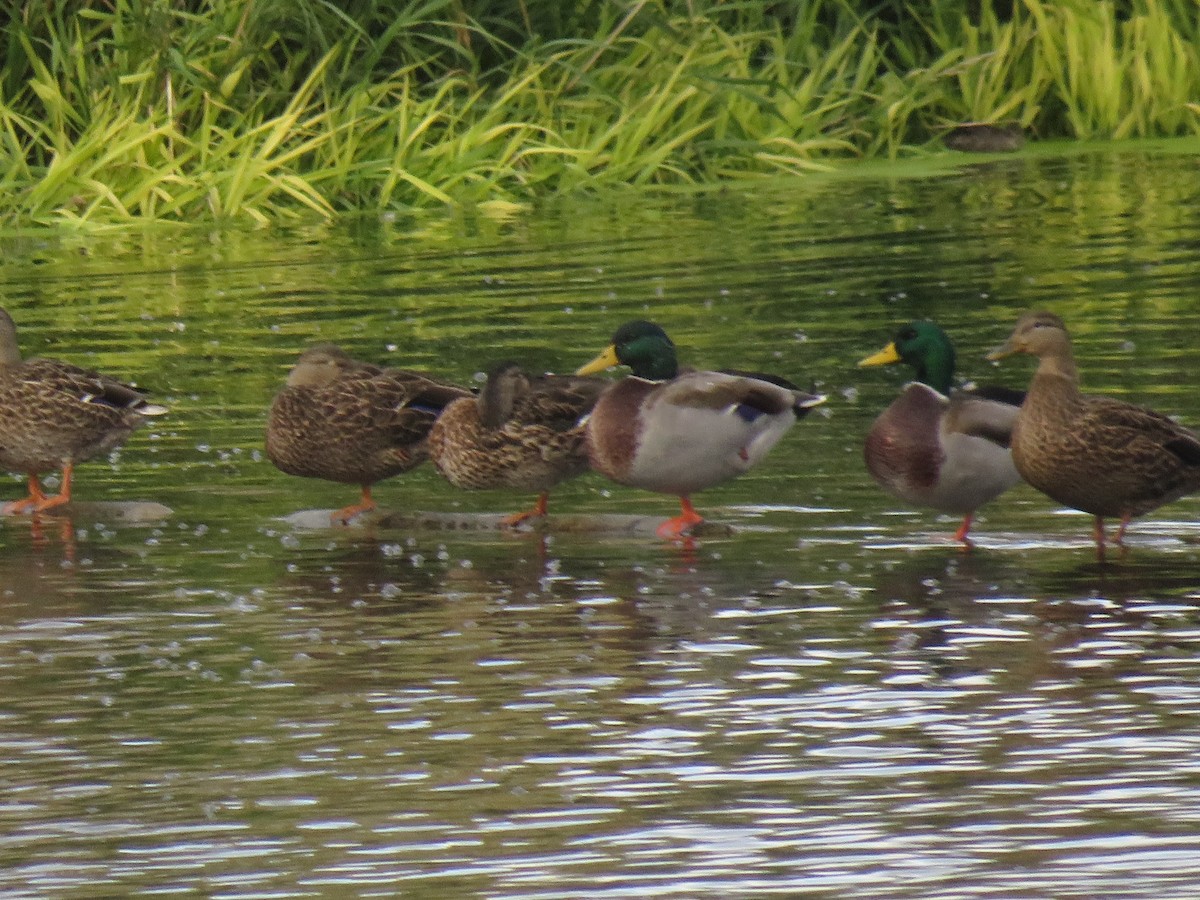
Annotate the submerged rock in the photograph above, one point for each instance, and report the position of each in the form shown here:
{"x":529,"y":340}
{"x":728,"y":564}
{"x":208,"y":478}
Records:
{"x":317,"y":519}
{"x":127,"y":511}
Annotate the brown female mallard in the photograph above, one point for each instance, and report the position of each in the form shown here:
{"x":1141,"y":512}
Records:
{"x":1095,"y":454}
{"x":948,"y":450}
{"x":522,"y":432}
{"x":680,"y":432}
{"x":352,"y":422}
{"x":54,"y":415}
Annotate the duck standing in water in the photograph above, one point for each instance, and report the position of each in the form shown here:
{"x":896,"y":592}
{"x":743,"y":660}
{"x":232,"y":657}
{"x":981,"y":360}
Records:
{"x":523,"y":432}
{"x":54,"y":415}
{"x":676,"y":432}
{"x":1096,"y":454}
{"x":938,"y":448}
{"x":351,"y":422}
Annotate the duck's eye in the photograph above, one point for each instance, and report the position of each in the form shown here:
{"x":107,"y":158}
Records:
{"x":907,"y":334}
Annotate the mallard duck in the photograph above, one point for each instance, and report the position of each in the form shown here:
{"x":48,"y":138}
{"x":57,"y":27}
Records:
{"x":680,"y":432}
{"x":1095,"y":454}
{"x":936,"y":448}
{"x":351,"y":422}
{"x":54,"y":415}
{"x":522,"y":432}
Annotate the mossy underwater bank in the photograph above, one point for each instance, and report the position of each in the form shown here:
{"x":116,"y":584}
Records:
{"x":259,"y":111}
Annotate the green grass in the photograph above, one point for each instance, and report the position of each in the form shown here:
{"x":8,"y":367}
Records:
{"x":263,"y":110}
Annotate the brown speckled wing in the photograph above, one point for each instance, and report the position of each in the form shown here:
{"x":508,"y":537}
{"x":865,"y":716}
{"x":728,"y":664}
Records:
{"x":55,"y":412}
{"x":1107,"y":457}
{"x":1156,"y":458}
{"x":1104,"y":412}
{"x":82,"y":384}
{"x":558,"y":402}
{"x":540,"y":444}
{"x":368,"y":425}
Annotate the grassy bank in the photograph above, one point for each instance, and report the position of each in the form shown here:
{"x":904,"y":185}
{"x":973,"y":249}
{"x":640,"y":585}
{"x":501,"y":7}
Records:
{"x":263,"y":109}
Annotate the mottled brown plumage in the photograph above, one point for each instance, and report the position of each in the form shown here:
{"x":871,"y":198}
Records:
{"x":1095,"y":454}
{"x":347,"y":421}
{"x":54,"y":415}
{"x":523,"y":432}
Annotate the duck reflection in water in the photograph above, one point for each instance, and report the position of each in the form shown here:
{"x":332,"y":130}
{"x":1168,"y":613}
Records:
{"x":51,"y":559}
{"x":993,"y":617}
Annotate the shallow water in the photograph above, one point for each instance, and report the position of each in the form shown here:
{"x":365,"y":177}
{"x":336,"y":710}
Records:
{"x":833,"y":700}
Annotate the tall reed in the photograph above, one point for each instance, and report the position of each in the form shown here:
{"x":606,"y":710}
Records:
{"x":258,"y":110}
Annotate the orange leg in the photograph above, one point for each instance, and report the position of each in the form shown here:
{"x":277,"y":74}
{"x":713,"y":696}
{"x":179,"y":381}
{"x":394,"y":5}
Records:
{"x":1120,"y":541}
{"x":344,"y":515}
{"x":1098,"y":533}
{"x":539,"y":509}
{"x":964,"y":528}
{"x":26,"y":504}
{"x":687,"y":519}
{"x":63,"y":496}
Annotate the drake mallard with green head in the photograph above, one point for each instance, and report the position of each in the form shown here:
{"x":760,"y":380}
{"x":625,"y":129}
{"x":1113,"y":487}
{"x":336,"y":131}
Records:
{"x":54,"y":415}
{"x":679,"y":432}
{"x":343,"y":420}
{"x":523,"y":432}
{"x":1103,"y":456}
{"x":937,"y":447}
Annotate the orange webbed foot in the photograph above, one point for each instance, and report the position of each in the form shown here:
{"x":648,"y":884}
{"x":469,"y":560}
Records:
{"x":28,"y":503}
{"x":51,"y":502}
{"x":345,"y":514}
{"x":682,"y":524}
{"x":538,"y":511}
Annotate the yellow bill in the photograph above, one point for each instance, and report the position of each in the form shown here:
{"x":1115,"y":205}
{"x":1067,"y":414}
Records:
{"x":884,"y":357}
{"x":605,"y":360}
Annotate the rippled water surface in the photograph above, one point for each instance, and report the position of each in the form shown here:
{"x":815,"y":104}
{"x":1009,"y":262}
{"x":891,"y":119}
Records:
{"x":832,"y":700}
